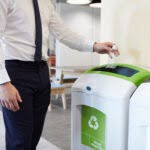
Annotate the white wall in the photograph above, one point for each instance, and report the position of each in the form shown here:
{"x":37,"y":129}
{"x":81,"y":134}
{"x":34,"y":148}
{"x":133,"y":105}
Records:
{"x":127,"y":22}
{"x":85,"y":21}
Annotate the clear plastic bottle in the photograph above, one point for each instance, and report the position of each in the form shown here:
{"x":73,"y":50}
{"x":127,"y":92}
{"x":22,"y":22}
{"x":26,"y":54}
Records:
{"x":112,"y":61}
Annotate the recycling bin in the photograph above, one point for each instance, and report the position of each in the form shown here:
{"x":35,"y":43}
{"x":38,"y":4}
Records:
{"x":100,"y":107}
{"x":139,"y":124}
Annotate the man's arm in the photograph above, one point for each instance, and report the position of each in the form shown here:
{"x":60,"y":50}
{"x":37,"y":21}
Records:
{"x":74,"y":40}
{"x":3,"y":17}
{"x":66,"y":36}
{"x":9,"y":95}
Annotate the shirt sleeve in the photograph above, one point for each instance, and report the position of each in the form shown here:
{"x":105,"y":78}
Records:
{"x":4,"y":4}
{"x":66,"y":36}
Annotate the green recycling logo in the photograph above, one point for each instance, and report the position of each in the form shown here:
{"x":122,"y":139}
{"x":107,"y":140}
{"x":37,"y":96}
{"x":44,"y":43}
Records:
{"x":93,"y":123}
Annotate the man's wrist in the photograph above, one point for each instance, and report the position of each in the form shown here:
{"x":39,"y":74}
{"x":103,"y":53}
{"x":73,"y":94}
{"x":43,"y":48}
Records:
{"x":4,"y":77}
{"x":5,"y":83}
{"x":94,"y":46}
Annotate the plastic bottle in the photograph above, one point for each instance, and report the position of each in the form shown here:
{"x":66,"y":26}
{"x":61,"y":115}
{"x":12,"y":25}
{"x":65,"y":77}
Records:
{"x":112,"y":61}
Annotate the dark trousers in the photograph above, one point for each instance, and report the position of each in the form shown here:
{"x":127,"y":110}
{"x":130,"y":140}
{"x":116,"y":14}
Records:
{"x":24,"y":128}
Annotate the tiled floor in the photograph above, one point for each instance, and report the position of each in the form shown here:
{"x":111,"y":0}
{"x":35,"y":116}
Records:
{"x":56,"y":134}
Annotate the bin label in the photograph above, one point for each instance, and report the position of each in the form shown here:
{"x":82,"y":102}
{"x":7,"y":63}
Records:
{"x":93,"y":128}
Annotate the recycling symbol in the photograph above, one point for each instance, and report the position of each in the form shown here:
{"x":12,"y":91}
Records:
{"x":93,"y":123}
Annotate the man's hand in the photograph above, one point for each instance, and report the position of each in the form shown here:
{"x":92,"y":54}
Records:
{"x":9,"y":97}
{"x":105,"y":48}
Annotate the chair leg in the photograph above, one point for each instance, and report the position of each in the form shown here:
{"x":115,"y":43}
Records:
{"x":57,"y":96}
{"x":50,"y":107}
{"x":64,"y":101}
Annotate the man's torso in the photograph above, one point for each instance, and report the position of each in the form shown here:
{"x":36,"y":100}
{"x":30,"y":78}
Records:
{"x":19,"y":37}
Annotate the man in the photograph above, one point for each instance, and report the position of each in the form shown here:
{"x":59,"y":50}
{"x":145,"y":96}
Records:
{"x":24,"y":79}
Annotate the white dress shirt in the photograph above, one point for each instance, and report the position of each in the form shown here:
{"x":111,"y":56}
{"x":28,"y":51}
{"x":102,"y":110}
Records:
{"x":17,"y":32}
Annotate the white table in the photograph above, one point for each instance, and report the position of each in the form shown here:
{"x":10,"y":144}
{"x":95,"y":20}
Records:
{"x":60,"y":87}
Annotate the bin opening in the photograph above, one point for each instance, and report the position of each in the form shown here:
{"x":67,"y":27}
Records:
{"x":128,"y":72}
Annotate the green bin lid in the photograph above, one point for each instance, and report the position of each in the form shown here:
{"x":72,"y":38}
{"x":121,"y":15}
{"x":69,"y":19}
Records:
{"x":128,"y":72}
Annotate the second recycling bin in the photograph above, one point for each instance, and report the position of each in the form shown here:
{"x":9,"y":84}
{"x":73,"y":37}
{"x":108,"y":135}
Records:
{"x":139,"y":119}
{"x":100,"y":106}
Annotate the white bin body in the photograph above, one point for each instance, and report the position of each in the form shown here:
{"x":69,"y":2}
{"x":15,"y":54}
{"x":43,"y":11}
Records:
{"x":110,"y":95}
{"x":139,"y":120}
